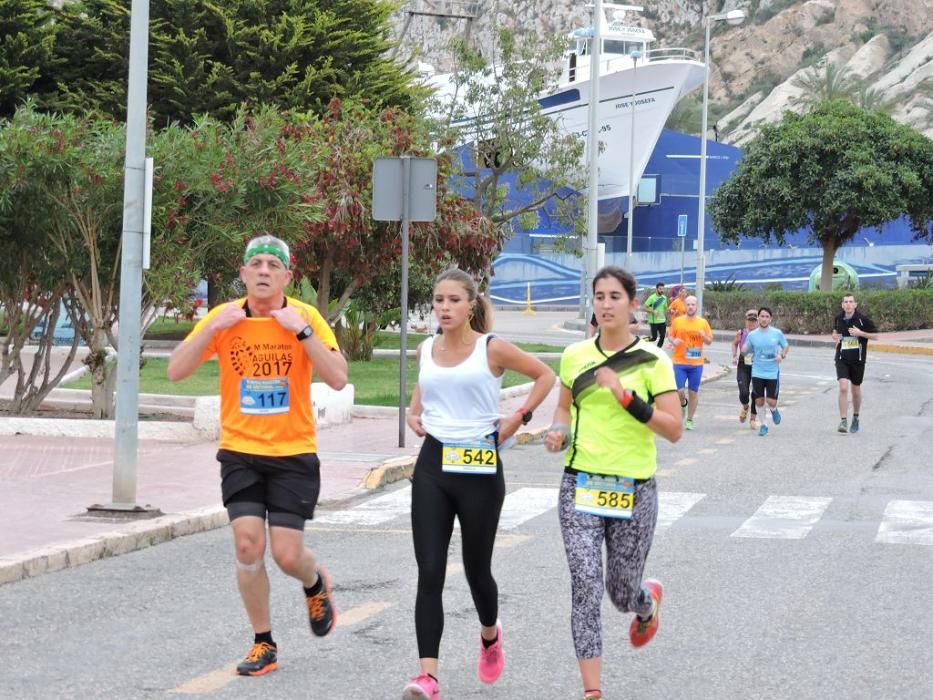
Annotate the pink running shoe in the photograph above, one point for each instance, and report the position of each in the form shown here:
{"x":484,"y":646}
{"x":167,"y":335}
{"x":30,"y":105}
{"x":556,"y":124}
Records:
{"x":491,"y":659}
{"x":422,"y":687}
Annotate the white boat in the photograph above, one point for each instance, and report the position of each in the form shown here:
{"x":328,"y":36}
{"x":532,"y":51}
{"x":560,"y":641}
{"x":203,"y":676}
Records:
{"x":657,"y":80}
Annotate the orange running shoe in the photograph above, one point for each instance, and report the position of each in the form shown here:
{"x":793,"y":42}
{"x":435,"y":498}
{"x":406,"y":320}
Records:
{"x":262,"y":659}
{"x":321,"y":611}
{"x":642,"y":631}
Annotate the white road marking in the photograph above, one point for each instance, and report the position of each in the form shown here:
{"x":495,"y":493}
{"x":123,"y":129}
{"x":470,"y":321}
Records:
{"x":784,"y":517}
{"x":377,"y":510}
{"x":524,"y":504}
{"x":907,"y":522}
{"x":673,"y":505}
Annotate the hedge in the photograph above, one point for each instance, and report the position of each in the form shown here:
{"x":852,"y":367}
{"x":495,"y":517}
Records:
{"x":813,"y":312}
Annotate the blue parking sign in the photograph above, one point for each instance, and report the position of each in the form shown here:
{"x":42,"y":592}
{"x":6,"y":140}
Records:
{"x":682,"y":225}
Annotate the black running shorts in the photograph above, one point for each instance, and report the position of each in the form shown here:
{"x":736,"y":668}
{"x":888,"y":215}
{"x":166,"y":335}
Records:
{"x":853,"y":371}
{"x":767,"y":388}
{"x":285,"y":487}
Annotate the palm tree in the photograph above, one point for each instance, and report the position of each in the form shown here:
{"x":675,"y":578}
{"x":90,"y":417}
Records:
{"x":829,"y":84}
{"x":868,"y":98}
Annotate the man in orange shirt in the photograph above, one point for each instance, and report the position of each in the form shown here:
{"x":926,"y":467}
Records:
{"x":267,"y":346}
{"x":689,"y":333}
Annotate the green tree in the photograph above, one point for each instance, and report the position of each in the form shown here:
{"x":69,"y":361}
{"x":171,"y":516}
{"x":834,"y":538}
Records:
{"x":231,"y":180}
{"x":830,"y":171}
{"x":62,"y":206}
{"x":347,"y":249}
{"x":211,"y":58}
{"x":32,"y":278}
{"x":27,"y":39}
{"x":493,"y":112}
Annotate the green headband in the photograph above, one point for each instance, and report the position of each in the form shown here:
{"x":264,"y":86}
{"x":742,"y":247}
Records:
{"x":266,"y":248}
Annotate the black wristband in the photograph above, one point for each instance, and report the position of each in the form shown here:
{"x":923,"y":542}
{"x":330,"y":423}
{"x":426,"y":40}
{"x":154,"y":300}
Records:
{"x":639,"y":409}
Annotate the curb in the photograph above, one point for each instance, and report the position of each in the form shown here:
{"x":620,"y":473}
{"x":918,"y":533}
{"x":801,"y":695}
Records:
{"x":900,"y":349}
{"x":131,"y":537}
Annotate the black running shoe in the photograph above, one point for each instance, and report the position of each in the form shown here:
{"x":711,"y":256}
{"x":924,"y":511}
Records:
{"x":262,"y":659}
{"x":321,"y":611}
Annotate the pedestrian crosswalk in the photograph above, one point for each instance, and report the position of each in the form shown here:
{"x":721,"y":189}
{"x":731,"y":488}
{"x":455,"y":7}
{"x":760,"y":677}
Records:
{"x":784,"y":517}
{"x":778,"y":517}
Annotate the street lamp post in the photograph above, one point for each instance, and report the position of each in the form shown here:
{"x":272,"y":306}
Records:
{"x":592,"y":152}
{"x":635,"y":54}
{"x":732,"y":17}
{"x":592,"y":149}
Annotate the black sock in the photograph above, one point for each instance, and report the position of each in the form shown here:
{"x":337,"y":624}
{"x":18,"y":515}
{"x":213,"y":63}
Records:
{"x":264,"y":637}
{"x":489,"y":642}
{"x":855,"y":415}
{"x":316,"y":588}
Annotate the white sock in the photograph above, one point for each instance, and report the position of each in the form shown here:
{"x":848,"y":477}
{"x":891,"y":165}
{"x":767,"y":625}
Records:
{"x":762,"y":415}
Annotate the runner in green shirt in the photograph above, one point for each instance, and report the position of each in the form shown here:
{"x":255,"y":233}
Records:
{"x":656,"y":306}
{"x":617,"y":393}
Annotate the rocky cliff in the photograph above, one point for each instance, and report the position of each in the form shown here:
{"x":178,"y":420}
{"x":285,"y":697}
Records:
{"x":756,"y":66}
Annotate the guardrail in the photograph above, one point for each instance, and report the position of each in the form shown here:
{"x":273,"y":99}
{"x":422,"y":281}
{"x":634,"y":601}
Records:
{"x":672,"y":54}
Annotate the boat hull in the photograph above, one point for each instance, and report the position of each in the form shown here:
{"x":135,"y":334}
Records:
{"x":657,"y":88}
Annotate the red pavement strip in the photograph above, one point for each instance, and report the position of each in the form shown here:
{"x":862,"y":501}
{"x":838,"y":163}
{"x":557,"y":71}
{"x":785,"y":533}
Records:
{"x":361,"y":435}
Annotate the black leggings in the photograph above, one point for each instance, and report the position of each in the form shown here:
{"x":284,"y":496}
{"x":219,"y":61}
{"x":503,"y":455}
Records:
{"x":743,"y":374}
{"x":436,"y":498}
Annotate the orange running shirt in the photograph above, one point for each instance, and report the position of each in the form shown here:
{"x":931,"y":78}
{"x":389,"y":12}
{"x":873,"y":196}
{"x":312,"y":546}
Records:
{"x":265,"y":383}
{"x":677,"y":308}
{"x":689,"y":330}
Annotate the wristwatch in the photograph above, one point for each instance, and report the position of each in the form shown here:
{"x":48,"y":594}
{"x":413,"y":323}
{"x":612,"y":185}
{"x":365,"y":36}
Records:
{"x":305,"y":332}
{"x":526,"y":415}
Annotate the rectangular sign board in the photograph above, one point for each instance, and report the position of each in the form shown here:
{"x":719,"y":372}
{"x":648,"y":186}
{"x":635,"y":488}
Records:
{"x":387,"y":189}
{"x":682,"y":225}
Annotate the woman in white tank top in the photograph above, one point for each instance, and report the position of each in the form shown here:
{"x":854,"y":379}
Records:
{"x":455,"y":408}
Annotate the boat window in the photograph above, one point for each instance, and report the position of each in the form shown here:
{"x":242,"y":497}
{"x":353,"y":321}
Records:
{"x":617,"y":46}
{"x":560,"y":98}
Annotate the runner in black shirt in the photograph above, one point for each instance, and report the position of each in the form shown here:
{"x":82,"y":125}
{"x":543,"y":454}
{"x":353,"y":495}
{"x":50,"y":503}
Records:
{"x":851,"y":331}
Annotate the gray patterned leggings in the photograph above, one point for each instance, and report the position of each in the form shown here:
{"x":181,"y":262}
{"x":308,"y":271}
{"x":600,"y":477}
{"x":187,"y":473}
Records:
{"x":627,"y":545}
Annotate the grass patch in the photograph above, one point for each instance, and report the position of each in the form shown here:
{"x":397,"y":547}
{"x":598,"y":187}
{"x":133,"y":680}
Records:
{"x":168,"y":329}
{"x":375,"y":383}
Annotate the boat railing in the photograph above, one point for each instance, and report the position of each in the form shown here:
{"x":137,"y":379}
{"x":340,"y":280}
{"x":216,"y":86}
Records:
{"x":673,"y":54}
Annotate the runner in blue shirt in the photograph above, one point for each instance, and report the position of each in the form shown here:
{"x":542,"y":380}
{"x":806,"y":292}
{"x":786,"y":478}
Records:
{"x":768,"y":347}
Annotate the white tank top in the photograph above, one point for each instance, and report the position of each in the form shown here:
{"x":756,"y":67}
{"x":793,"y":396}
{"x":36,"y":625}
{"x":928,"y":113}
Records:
{"x":461,"y":402}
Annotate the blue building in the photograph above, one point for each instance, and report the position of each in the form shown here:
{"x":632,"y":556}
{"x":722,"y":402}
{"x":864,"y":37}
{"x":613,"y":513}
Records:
{"x":669,"y":191}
